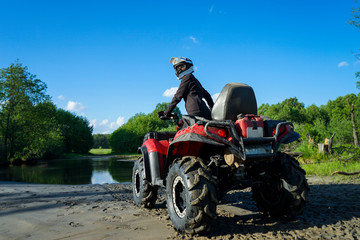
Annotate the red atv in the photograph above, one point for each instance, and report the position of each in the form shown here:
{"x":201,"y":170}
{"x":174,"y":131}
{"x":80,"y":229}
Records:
{"x":204,"y":159}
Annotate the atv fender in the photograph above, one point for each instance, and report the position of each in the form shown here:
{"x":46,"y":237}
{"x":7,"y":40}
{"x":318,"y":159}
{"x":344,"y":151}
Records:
{"x":154,"y":154}
{"x":189,"y":144}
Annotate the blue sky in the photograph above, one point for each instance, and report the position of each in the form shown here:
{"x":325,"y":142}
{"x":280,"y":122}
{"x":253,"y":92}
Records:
{"x":108,"y":60}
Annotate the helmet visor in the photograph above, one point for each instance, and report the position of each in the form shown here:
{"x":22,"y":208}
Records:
{"x":180,"y":67}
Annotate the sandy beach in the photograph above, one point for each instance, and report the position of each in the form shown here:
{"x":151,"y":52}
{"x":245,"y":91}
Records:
{"x":32,"y":211}
{"x":41,"y":211}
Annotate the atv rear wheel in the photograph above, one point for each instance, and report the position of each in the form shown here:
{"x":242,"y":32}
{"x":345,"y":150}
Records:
{"x":191,"y":196}
{"x":144,"y":193}
{"x":283,"y":192}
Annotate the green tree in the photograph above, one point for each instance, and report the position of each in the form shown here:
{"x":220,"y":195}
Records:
{"x":262,"y":110}
{"x":20,"y":92}
{"x":76,"y":132}
{"x":123,"y":140}
{"x":290,"y":110}
{"x":129,"y":137}
{"x":41,"y":136}
{"x":339,"y":117}
{"x":338,"y":109}
{"x":101,"y":140}
{"x":315,"y":126}
{"x":355,"y":20}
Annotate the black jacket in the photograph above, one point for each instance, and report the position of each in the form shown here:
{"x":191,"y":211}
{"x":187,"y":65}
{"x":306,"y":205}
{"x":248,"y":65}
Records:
{"x":192,"y":92}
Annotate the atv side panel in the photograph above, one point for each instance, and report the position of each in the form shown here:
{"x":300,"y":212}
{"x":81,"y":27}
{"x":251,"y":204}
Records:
{"x":154,"y":154}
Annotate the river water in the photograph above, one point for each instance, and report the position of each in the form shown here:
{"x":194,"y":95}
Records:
{"x":99,"y":170}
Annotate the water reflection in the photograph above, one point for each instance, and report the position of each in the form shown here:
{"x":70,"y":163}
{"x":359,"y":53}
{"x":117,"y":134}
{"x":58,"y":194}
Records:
{"x":82,"y":171}
{"x":102,"y":177}
{"x":111,"y":170}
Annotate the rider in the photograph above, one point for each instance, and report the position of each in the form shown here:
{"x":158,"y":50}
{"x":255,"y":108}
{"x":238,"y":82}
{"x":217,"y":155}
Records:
{"x":190,"y":90}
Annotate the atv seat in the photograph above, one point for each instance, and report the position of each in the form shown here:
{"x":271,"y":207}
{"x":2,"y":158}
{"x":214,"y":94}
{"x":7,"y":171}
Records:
{"x":190,"y":120}
{"x":234,"y":99}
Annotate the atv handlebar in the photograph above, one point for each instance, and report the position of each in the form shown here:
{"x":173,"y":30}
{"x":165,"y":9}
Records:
{"x":173,"y":116}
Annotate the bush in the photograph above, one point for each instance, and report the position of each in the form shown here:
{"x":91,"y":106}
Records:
{"x":129,"y":136}
{"x":101,"y":140}
{"x":76,"y":132}
{"x":308,"y":150}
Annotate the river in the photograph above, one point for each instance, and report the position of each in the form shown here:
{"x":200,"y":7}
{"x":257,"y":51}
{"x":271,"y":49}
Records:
{"x":95,"y":170}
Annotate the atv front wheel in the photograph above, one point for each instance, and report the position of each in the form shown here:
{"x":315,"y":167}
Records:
{"x":144,"y":193}
{"x":282,"y":193}
{"x":191,"y":196}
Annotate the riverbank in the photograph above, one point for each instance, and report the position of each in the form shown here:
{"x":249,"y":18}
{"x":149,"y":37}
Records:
{"x":36,"y":211}
{"x":72,"y":156}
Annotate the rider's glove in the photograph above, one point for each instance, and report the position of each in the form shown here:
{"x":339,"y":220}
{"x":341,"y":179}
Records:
{"x":162,"y":115}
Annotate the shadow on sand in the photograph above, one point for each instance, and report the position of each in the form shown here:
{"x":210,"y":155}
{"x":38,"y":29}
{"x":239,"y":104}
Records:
{"x":328,"y":204}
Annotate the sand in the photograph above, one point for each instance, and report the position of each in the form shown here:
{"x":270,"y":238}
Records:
{"x":33,"y":211}
{"x":43,"y":211}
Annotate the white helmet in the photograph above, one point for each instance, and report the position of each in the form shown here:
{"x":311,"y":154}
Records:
{"x":181,"y":61}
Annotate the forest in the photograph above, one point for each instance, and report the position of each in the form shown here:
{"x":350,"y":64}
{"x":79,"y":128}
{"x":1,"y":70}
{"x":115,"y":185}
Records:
{"x":31,"y":126}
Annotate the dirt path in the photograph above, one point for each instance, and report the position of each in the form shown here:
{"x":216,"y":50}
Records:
{"x":31,"y":211}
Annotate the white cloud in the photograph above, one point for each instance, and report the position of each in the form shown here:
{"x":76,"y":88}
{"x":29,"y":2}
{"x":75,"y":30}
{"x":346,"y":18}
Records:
{"x":61,"y":97}
{"x":113,"y":125}
{"x":104,"y":122}
{"x":93,"y":123}
{"x":120,"y":121}
{"x":170,"y":92}
{"x":74,"y":106}
{"x":105,"y":126}
{"x":194,"y":39}
{"x":343,"y":64}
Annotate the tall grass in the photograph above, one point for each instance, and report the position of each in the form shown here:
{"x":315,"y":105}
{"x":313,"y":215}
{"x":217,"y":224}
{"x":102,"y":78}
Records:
{"x":310,"y":154}
{"x":344,"y":159}
{"x":327,"y":168}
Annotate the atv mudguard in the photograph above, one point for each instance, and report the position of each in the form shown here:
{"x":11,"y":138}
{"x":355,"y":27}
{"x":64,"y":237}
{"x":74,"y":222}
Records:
{"x":154,"y":151}
{"x":189,"y":144}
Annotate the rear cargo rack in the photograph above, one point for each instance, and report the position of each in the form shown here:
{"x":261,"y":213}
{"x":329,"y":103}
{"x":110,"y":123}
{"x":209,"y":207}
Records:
{"x":246,"y":147}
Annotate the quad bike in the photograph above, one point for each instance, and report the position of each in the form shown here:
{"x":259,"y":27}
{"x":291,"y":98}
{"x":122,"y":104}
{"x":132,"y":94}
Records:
{"x":204,"y":159}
